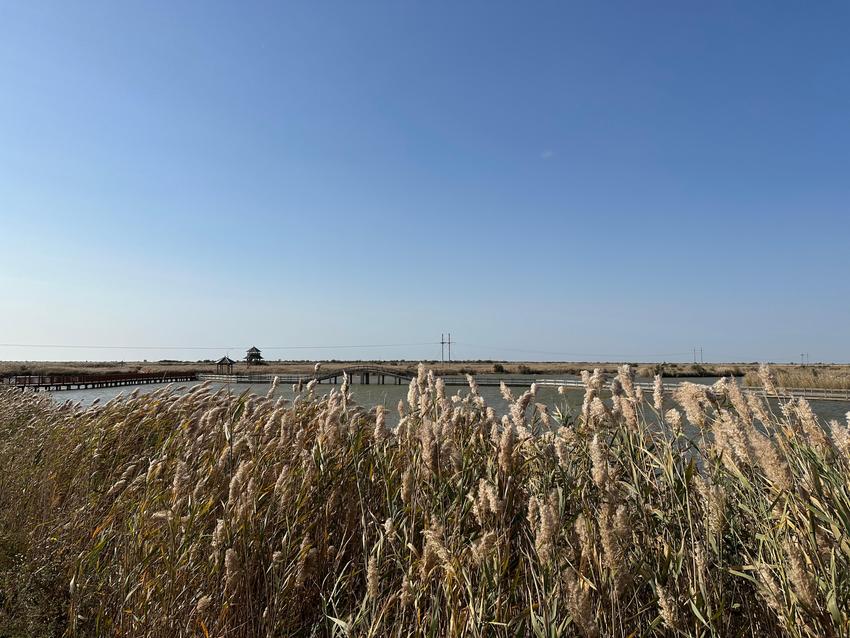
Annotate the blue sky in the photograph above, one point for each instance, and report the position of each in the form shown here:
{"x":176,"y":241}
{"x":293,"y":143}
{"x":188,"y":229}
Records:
{"x":548,"y":180}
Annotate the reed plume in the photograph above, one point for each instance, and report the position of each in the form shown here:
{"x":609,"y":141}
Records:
{"x":201,"y":512}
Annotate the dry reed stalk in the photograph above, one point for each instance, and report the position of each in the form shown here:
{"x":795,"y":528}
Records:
{"x":256,"y":516}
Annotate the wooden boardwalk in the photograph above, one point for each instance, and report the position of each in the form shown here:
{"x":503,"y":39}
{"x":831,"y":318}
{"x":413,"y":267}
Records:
{"x":356,"y":374}
{"x":92,"y":381}
{"x":375,"y":375}
{"x":382,"y":375}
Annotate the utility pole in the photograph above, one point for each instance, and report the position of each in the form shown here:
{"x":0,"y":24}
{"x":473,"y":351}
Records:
{"x":695,"y":355}
{"x":801,"y":359}
{"x":443,"y":344}
{"x":701,"y":360}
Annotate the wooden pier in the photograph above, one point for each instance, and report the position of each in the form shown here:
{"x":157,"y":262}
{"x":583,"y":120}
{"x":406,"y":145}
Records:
{"x":356,"y":374}
{"x":366,"y":375}
{"x":93,"y":381}
{"x":381,"y":375}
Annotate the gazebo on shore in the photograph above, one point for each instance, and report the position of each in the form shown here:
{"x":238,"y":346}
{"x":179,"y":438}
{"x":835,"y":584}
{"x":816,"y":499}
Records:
{"x":253,"y":357}
{"x":224,"y":365}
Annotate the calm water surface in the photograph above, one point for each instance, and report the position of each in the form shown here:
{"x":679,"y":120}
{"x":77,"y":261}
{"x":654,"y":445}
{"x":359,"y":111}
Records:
{"x":389,"y":395}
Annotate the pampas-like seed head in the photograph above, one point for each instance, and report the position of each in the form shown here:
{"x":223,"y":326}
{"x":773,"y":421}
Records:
{"x":580,"y":604}
{"x":799,"y":576}
{"x":406,"y":592}
{"x":674,"y":420}
{"x":813,"y":430}
{"x":231,"y":568}
{"x":484,"y":547}
{"x":774,"y":466}
{"x":768,"y":380}
{"x":658,"y":394}
{"x":506,"y":393}
{"x":547,"y":529}
{"x":413,"y":394}
{"x":380,"y":433}
{"x":372,"y":578}
{"x":273,"y":387}
{"x":584,"y":531}
{"x":304,"y":562}
{"x":692,"y":398}
{"x":389,"y":528}
{"x":407,"y":486}
{"x":598,"y":414}
{"x":599,"y":462}
{"x":668,"y":608}
{"x":626,"y":378}
{"x":506,"y":447}
{"x":841,"y":434}
{"x":203,"y":605}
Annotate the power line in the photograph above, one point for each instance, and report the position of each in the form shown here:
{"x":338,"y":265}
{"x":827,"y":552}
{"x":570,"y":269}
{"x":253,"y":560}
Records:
{"x":366,"y":345}
{"x":105,"y":347}
{"x":443,"y":342}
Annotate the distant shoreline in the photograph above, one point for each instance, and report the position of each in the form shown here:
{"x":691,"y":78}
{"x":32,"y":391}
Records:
{"x":538,"y":368}
{"x":455,"y":367}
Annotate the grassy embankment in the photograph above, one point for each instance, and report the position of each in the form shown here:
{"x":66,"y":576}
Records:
{"x":540,"y":368}
{"x":789,"y":376}
{"x":207,"y":514}
{"x":830,"y":377}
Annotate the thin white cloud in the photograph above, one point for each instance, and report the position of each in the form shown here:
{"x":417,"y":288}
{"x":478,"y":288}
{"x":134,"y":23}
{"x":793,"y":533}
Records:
{"x":547,"y":154}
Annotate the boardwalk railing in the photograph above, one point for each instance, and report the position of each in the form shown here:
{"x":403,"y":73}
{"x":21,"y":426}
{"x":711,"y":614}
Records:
{"x":823,"y":394}
{"x":364,"y":375}
{"x":361,"y":374}
{"x":90,"y":381}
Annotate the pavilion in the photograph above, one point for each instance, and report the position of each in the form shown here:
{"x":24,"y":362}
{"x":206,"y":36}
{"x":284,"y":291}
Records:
{"x":224,"y":365}
{"x":254,"y":357}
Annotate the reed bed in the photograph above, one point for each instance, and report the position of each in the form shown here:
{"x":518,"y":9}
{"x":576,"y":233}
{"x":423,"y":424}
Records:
{"x":803,"y":377}
{"x":541,"y":368}
{"x":200,"y":513}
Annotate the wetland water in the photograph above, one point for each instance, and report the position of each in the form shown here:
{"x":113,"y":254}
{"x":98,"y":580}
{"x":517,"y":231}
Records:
{"x":389,"y":395}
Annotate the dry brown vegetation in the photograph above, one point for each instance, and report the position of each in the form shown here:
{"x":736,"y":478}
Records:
{"x":829,"y":377}
{"x":541,"y":368}
{"x":821,"y":376}
{"x":205,"y":514}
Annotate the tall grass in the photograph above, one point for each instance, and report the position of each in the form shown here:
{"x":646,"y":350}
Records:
{"x":547,"y":368}
{"x":206,"y":514}
{"x":827,"y":377}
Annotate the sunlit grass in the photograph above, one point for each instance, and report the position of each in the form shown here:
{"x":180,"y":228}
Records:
{"x":827,"y":377}
{"x":203,"y":513}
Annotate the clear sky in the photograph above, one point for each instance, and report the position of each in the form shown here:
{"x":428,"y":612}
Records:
{"x":546,"y":180}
